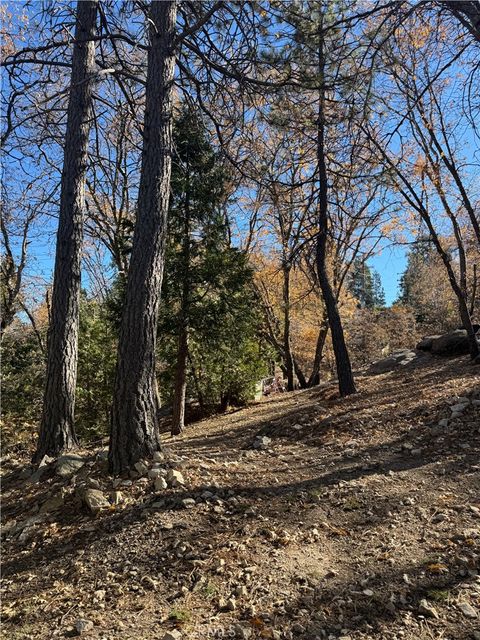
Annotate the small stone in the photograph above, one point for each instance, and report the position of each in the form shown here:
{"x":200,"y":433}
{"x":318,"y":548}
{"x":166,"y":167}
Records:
{"x":367,"y":592}
{"x":141,"y":468}
{"x":188,"y":503}
{"x":231,"y":605}
{"x":95,"y":500}
{"x":83,"y":626}
{"x":244,"y":633}
{"x":261,"y":442}
{"x":443,"y":422}
{"x":459,"y":408}
{"x":68,"y":465}
{"x":150,"y":582}
{"x":46,"y":460}
{"x":174,"y":634}
{"x":467,"y":609}
{"x":416,"y":452}
{"x":219,"y":564}
{"x":426,"y":609}
{"x":158,"y":456}
{"x":160,"y":484}
{"x":153,"y":474}
{"x":175,"y":478}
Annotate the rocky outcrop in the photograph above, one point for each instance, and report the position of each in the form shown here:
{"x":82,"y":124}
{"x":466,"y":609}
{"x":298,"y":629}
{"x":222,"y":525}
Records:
{"x":454,"y":343}
{"x":397,"y":359}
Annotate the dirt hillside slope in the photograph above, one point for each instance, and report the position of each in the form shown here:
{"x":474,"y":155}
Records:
{"x":305,"y":516}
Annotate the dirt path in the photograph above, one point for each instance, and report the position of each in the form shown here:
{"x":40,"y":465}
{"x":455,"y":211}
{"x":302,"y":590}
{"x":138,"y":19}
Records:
{"x":359,"y":518}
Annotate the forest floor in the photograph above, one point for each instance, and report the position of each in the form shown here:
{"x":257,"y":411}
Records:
{"x":360,"y":519}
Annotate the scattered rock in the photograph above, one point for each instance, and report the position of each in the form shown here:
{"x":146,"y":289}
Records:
{"x":188,"y":503}
{"x":141,"y":468}
{"x":175,"y":478}
{"x":68,"y":465}
{"x":241,"y":632}
{"x":153,"y":474}
{"x":160,"y":484}
{"x":426,"y":609}
{"x":174,"y":634}
{"x":95,"y":500}
{"x":158,"y":456}
{"x":467,"y":609}
{"x":42,"y":467}
{"x":262,"y":442}
{"x":83,"y":626}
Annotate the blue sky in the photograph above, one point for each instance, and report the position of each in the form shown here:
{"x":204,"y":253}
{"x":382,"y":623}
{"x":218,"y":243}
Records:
{"x":390,"y":264}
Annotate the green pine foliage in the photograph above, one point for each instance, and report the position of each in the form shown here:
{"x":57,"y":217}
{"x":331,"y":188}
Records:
{"x":365,"y":284}
{"x":207,"y":281}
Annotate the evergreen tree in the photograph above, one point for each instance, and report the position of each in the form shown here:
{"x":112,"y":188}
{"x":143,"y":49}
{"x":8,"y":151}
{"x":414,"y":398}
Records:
{"x":207,"y":315}
{"x":420,"y":254}
{"x":365,"y":284}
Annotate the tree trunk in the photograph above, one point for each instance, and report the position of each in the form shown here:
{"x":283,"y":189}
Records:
{"x":57,"y":431}
{"x":468,"y":13}
{"x":134,"y":426}
{"x":302,"y":381}
{"x":314,"y":378}
{"x":342,"y":360}
{"x":289,"y":367}
{"x":178,"y":417}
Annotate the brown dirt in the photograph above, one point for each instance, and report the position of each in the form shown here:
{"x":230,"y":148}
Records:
{"x":337,"y":530}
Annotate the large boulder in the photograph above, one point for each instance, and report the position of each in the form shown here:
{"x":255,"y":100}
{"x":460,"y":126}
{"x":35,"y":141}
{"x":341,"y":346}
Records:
{"x":69,"y":465}
{"x":425,"y":343}
{"x":397,"y":359}
{"x":454,"y":343}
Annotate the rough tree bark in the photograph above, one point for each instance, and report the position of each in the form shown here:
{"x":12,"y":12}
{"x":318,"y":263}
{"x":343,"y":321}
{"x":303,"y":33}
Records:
{"x":287,"y":348}
{"x":134,"y":425}
{"x":346,"y":382}
{"x":57,"y":431}
{"x":467,"y":12}
{"x":314,"y":378}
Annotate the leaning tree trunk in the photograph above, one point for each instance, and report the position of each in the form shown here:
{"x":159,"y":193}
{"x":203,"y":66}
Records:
{"x":57,"y":431}
{"x":134,"y":426}
{"x":346,"y":382}
{"x":314,"y":378}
